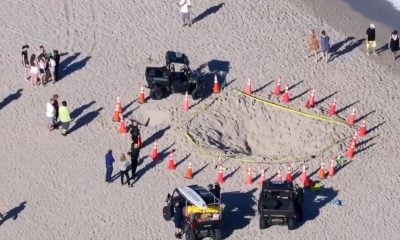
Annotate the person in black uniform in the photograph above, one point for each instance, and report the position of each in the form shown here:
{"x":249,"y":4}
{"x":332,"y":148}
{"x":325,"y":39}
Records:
{"x":134,"y":158}
{"x":299,"y":202}
{"x":56,"y":57}
{"x":178,"y":219}
{"x":394,"y":44}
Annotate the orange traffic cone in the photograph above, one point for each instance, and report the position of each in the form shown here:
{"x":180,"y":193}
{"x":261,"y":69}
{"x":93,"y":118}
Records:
{"x":119,"y":105}
{"x":332,"y":108}
{"x":141,"y":95}
{"x":311,"y":102}
{"x":189,"y":173}
{"x":216,"y":88}
{"x":115,"y":117}
{"x":249,"y":178}
{"x":351,"y":150}
{"x":262,"y":177}
{"x":322,"y":171}
{"x":279,"y":176}
{"x":363,"y":129}
{"x":289,"y":176}
{"x":220,"y":177}
{"x":186,"y":103}
{"x":332,"y":168}
{"x":154,"y":152}
{"x":171,"y":162}
{"x":278,"y":88}
{"x":286,"y":98}
{"x":352,"y":117}
{"x":139,"y":141}
{"x":122,"y":127}
{"x":248,"y":89}
{"x":304,"y":178}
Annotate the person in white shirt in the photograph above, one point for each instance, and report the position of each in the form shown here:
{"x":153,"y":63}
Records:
{"x":185,"y":11}
{"x":123,"y":168}
{"x":50,"y":114}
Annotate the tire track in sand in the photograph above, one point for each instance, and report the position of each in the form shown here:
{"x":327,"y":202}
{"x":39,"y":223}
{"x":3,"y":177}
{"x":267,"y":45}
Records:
{"x":70,"y":32}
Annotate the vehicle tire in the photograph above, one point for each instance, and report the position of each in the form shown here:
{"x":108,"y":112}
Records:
{"x":156,"y":93}
{"x":217,"y":234}
{"x":263,"y":223}
{"x":190,"y":235}
{"x":167,"y":213}
{"x":197,"y":93}
{"x":290,"y":223}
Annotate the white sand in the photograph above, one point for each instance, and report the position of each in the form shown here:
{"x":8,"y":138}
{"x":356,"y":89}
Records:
{"x":62,"y":178}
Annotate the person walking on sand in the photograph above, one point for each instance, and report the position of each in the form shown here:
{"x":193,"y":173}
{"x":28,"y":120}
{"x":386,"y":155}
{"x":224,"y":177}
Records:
{"x":325,"y":45}
{"x":50,"y":114}
{"x":394,"y":44}
{"x":64,"y":117}
{"x":109,"y":165}
{"x":25,"y":61}
{"x":185,"y":12}
{"x":371,"y":42}
{"x":313,"y":45}
{"x":135,"y":151}
{"x":123,"y":167}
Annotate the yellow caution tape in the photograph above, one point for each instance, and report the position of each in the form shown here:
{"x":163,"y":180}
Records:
{"x":286,"y":159}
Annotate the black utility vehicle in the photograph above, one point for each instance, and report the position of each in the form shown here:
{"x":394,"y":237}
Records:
{"x":280,"y":203}
{"x":202,"y":212}
{"x":175,"y":77}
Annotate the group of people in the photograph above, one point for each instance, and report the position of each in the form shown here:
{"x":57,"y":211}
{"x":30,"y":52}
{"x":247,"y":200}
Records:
{"x":393,"y":44}
{"x":41,"y":67}
{"x":57,"y":115}
{"x":323,"y":45}
{"x":124,"y":165}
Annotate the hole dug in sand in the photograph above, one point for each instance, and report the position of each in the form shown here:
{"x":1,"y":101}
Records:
{"x":243,"y":127}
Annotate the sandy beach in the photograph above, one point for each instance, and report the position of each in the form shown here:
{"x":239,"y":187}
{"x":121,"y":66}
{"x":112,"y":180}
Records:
{"x":53,"y":186}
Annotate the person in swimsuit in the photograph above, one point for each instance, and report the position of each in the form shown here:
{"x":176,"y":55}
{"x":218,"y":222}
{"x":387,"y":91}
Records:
{"x":52,"y":67}
{"x":313,"y":45}
{"x":394,"y":44}
{"x":25,"y":61}
{"x":34,"y":70}
{"x":42,"y":63}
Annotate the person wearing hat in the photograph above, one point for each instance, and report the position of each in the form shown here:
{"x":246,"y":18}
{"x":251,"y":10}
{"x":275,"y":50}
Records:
{"x":371,"y":42}
{"x":394,"y":44}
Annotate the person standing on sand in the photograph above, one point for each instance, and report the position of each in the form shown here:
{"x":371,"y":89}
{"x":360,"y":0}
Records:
{"x":64,"y":118}
{"x":313,"y":46}
{"x":56,"y":106}
{"x":123,"y":167}
{"x":371,"y":42}
{"x":178,"y":219}
{"x":109,"y":165}
{"x":325,"y":45}
{"x":56,"y":57}
{"x":394,"y":44}
{"x":185,"y":12}
{"x":34,"y":70}
{"x":25,"y":61}
{"x":50,"y":114}
{"x":135,"y":150}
